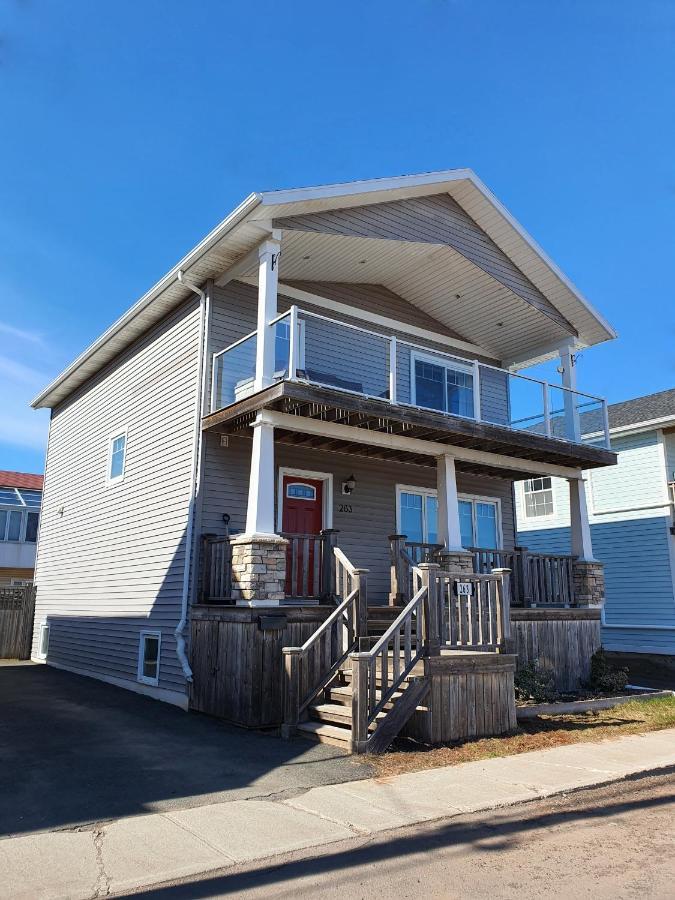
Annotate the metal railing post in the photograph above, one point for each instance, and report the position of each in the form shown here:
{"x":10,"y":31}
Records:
{"x":476,"y":391}
{"x":294,"y":348}
{"x":547,"y":409}
{"x":392,"y":369}
{"x":605,"y":425}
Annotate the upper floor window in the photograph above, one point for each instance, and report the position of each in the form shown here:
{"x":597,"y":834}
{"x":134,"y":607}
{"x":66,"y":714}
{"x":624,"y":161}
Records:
{"x":538,"y":493}
{"x":19,"y":515}
{"x":443,"y":385}
{"x":117,"y":456}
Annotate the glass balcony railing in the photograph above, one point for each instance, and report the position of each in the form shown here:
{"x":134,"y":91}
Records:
{"x":316,"y":349}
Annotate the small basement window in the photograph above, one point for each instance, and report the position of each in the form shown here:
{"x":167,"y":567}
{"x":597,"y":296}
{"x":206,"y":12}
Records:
{"x":117,"y":457}
{"x":538,"y":493}
{"x":43,"y":645}
{"x":148,"y":657}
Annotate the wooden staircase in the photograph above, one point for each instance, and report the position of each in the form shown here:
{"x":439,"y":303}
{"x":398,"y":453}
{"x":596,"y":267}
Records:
{"x":330,"y":716}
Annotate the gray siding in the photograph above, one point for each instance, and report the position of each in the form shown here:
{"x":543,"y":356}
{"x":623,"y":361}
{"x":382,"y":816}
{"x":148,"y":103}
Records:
{"x":437,"y":219}
{"x":111,"y":557}
{"x":341,"y":356}
{"x":364,"y":531}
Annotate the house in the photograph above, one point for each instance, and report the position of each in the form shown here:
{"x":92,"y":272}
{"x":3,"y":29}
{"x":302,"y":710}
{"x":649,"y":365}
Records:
{"x":631,"y":516}
{"x":20,"y":498}
{"x":285,"y":475}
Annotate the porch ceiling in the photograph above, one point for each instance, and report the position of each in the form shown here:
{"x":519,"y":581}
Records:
{"x":335,"y":408}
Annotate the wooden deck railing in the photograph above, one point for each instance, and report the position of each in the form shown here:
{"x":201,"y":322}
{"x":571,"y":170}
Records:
{"x":474,"y":610}
{"x":310,"y":564}
{"x":537,"y":579}
{"x":308,"y":669}
{"x":215,"y":568}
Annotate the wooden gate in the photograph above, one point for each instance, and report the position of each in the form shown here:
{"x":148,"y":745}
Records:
{"x":17,"y":609}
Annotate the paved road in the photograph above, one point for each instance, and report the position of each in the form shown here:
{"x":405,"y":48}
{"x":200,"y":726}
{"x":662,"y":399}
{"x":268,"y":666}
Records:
{"x":614,"y":842}
{"x":74,"y":750}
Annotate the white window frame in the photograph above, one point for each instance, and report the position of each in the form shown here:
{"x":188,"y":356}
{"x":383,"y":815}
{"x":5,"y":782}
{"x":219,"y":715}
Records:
{"x":443,"y":363}
{"x":327,"y":498}
{"x":144,"y":679}
{"x":42,"y":654}
{"x":432,"y":492}
{"x":22,"y":528}
{"x":523,"y":494}
{"x":117,"y":479}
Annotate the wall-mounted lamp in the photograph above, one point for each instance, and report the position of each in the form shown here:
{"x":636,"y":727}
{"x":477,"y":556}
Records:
{"x":349,"y":485}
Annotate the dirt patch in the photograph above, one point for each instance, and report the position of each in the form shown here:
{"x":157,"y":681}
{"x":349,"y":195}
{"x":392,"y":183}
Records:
{"x":534,"y":734}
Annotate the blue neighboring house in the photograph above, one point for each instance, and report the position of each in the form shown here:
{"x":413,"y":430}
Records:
{"x":631,"y":511}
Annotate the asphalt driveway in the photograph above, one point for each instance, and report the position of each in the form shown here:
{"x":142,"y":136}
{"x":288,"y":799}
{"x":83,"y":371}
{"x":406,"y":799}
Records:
{"x":74,"y":750}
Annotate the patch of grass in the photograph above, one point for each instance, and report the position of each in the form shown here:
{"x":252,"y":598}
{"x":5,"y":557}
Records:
{"x":636,"y":717}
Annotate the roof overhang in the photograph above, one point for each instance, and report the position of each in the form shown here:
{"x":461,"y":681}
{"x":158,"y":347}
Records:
{"x":244,"y":228}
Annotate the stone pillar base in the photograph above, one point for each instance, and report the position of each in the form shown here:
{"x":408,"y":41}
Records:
{"x":589,"y":583}
{"x":258,"y":569}
{"x":456,"y":561}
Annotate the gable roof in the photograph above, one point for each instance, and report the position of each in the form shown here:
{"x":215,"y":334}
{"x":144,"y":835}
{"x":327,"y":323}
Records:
{"x":21,"y":480}
{"x":244,"y":228}
{"x":652,"y":408}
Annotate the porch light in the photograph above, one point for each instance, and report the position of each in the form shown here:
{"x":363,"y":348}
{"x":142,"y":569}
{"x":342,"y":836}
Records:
{"x":348,"y":485}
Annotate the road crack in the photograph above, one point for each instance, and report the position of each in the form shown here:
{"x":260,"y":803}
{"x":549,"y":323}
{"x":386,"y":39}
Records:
{"x":102,"y":886}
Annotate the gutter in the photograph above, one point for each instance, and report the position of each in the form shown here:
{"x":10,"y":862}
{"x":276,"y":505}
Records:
{"x":179,"y":633}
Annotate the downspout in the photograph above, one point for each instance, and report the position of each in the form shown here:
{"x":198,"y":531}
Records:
{"x":196,"y":454}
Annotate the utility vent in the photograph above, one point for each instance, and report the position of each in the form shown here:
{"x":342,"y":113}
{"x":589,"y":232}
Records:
{"x":224,"y":440}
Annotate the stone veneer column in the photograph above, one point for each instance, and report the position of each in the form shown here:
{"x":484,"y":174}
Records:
{"x":589,"y":583}
{"x":258,"y":570}
{"x":456,"y":561}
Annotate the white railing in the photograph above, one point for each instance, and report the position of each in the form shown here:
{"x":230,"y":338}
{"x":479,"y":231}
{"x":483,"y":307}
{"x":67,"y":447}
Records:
{"x":317,"y":349}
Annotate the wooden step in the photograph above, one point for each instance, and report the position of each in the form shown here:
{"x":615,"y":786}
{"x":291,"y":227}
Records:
{"x":343,"y":694}
{"x":335,"y":713}
{"x":326,"y":734}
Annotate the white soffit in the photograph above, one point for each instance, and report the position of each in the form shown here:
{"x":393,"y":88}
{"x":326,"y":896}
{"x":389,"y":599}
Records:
{"x":242,"y":230}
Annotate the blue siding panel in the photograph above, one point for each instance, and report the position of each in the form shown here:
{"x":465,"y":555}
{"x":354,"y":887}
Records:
{"x":639,"y":584}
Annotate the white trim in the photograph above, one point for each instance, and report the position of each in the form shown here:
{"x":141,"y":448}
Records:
{"x":385,"y":321}
{"x":432,"y":492}
{"x":327,"y":493}
{"x":639,"y":627}
{"x":175,"y":698}
{"x":411,"y":445}
{"x":445,"y":363}
{"x":148,"y":633}
{"x":111,"y":480}
{"x":549,"y":517}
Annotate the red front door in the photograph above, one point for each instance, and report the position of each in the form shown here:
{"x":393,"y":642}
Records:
{"x":302,"y":515}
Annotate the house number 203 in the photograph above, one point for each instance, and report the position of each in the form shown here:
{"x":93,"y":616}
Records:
{"x":344,"y":507}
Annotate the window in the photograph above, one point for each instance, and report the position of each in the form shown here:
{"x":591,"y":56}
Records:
{"x":538,"y":494}
{"x":19,"y":515}
{"x":32,"y":520}
{"x":479,"y":518}
{"x":117,"y":457}
{"x":43,"y":645}
{"x":437,"y":384}
{"x":302,"y":491}
{"x":148,"y":657}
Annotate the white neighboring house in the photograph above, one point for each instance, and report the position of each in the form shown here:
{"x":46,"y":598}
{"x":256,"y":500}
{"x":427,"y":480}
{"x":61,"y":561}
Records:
{"x":631,"y":513}
{"x":20,"y":500}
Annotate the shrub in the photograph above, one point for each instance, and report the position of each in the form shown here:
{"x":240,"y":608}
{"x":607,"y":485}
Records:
{"x":535,"y":683}
{"x":605,"y":676}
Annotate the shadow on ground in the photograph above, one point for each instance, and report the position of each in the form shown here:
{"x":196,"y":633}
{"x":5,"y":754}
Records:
{"x":74,"y":750}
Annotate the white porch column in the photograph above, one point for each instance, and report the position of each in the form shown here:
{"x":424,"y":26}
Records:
{"x":449,"y":532}
{"x":569,"y":380}
{"x":582,"y":546}
{"x":260,"y":510}
{"x":268,"y":278}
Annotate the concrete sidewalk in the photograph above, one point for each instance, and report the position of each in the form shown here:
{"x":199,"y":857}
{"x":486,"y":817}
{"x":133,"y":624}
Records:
{"x":128,"y":853}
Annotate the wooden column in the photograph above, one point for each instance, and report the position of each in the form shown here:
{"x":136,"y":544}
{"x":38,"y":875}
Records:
{"x":582,"y":546}
{"x":260,"y":510}
{"x":329,"y":543}
{"x":449,"y":532}
{"x":569,"y":380}
{"x":360,"y":582}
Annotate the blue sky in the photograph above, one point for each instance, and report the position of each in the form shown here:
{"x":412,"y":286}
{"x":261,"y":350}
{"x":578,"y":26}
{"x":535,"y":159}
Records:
{"x":129,"y":129}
